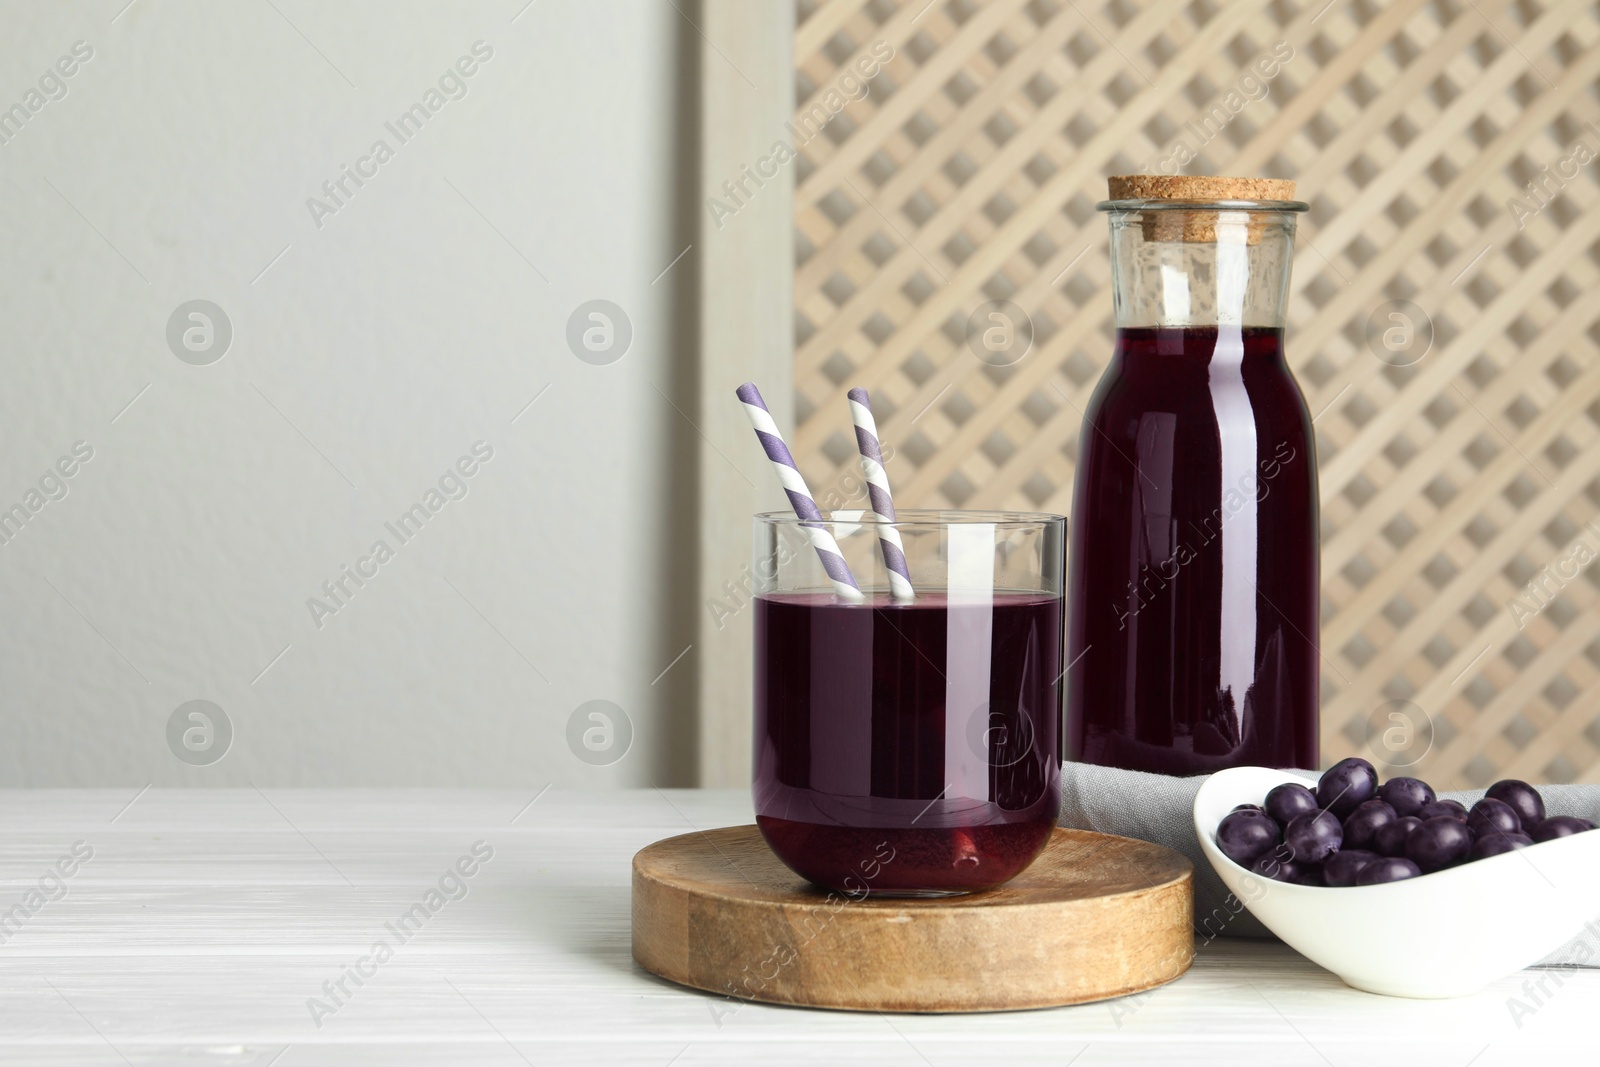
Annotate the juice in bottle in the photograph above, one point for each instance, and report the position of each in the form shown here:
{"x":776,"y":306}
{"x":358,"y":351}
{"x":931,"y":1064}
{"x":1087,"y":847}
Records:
{"x":1193,"y":574}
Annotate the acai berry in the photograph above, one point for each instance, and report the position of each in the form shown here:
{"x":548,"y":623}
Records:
{"x":1347,"y":785}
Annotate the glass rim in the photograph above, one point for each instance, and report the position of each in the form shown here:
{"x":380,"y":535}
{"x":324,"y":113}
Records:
{"x":1263,"y":206}
{"x":923,"y":517}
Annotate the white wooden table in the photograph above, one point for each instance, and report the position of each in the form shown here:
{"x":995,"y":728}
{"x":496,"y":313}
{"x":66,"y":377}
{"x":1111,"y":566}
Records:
{"x":205,"y":921}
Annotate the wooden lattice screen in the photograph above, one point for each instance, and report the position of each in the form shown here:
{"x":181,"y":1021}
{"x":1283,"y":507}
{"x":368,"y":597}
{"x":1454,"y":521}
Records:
{"x":1453,"y":485}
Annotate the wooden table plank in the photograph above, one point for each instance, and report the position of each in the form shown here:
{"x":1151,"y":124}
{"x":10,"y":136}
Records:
{"x":204,"y":923}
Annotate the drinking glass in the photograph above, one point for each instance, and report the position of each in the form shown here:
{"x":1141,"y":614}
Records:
{"x":910,"y":747}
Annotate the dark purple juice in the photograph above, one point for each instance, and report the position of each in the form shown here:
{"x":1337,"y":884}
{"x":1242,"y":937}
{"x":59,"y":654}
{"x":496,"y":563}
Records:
{"x":1194,"y":560}
{"x":905,"y":748}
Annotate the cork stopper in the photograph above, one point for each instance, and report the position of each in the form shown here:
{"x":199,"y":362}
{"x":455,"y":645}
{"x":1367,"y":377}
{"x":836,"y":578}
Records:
{"x":1197,"y":187}
{"x":1195,"y":226}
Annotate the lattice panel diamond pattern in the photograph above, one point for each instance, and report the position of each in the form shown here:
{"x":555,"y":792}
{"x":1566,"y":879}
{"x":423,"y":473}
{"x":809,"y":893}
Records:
{"x":1460,"y":496}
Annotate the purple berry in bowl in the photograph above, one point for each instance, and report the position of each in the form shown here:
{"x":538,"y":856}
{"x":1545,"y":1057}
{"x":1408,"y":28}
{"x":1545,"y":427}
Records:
{"x":1391,"y":839}
{"x":1346,"y":785}
{"x":1245,"y":835}
{"x":1361,"y":828}
{"x":1341,"y":868}
{"x":1248,"y":807}
{"x":1313,"y":837}
{"x":1490,"y":816}
{"x":1453,"y":808}
{"x":1560,"y":826}
{"x":1495,"y":844}
{"x":1440,"y":842}
{"x":1387,"y":869}
{"x":1523,"y":798}
{"x":1311,"y":874}
{"x":1406,"y":795}
{"x":1288,"y":800}
{"x":1279,"y":867}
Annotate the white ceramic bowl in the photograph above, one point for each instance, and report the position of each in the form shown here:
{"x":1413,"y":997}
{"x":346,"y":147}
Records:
{"x":1447,"y":934}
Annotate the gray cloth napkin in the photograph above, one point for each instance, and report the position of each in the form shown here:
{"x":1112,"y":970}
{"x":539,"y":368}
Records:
{"x":1154,"y":807}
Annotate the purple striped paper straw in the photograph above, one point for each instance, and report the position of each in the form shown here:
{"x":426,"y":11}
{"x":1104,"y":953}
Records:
{"x":844,"y":583}
{"x":894,"y":553}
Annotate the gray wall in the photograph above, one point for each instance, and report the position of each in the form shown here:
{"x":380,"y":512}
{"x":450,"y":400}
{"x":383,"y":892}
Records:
{"x":372,"y":348}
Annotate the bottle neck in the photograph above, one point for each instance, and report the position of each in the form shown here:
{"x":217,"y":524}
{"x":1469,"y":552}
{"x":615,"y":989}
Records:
{"x":1177,"y":268}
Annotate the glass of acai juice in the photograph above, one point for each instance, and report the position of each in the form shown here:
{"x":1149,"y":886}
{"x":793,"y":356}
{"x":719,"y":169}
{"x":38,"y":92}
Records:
{"x":908,"y":743}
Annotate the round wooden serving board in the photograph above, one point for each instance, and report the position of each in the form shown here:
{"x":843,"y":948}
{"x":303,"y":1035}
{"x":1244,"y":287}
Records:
{"x":1095,"y":916}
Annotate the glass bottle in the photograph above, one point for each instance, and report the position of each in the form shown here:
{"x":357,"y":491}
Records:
{"x":1193,"y":577}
